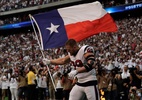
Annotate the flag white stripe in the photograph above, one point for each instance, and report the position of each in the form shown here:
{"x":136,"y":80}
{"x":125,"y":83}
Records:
{"x":82,"y":12}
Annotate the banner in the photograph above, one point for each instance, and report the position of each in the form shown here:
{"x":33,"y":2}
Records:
{"x":75,"y":22}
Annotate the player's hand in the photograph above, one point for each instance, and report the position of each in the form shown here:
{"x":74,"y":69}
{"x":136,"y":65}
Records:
{"x":72,"y":74}
{"x":46,"y":61}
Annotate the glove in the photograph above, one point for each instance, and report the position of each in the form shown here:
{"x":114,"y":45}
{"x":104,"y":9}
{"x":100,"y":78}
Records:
{"x":73,"y":73}
{"x":46,"y":61}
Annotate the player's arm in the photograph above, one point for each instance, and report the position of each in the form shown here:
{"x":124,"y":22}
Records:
{"x":89,"y":65}
{"x":58,"y":61}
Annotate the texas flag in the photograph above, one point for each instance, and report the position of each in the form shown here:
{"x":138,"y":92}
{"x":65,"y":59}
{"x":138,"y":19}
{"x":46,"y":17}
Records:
{"x":75,"y":22}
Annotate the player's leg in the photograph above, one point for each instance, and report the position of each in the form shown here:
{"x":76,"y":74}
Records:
{"x":92,"y":92}
{"x":76,"y":93}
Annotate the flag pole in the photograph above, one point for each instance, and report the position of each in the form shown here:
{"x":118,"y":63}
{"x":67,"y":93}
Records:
{"x":32,"y":19}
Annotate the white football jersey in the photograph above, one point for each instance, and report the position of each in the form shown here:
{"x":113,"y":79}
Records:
{"x":79,"y":60}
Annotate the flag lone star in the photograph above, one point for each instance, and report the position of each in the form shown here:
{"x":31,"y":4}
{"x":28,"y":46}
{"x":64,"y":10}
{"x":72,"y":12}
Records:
{"x":53,"y":28}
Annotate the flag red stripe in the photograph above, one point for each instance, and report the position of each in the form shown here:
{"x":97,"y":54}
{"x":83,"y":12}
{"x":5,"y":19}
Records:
{"x":82,"y":30}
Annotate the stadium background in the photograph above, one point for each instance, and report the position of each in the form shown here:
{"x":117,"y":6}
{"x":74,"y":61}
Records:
{"x":11,"y":19}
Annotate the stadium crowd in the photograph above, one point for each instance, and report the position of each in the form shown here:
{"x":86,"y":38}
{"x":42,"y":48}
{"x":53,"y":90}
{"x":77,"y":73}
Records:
{"x":8,"y":5}
{"x":119,"y":65}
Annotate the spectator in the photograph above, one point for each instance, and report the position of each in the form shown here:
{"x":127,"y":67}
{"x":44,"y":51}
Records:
{"x":112,"y":86}
{"x":42,"y":84}
{"x":31,"y":78}
{"x":22,"y":85}
{"x":59,"y":89}
{"x":134,"y":80}
{"x":126,"y":79}
{"x":13,"y":87}
{"x":4,"y":86}
{"x":122,"y":95}
{"x":102,"y":81}
{"x":51,"y":87}
{"x":67,"y":86}
{"x":134,"y":94}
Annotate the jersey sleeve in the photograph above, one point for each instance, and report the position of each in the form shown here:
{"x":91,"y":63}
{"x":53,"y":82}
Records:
{"x":89,"y":49}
